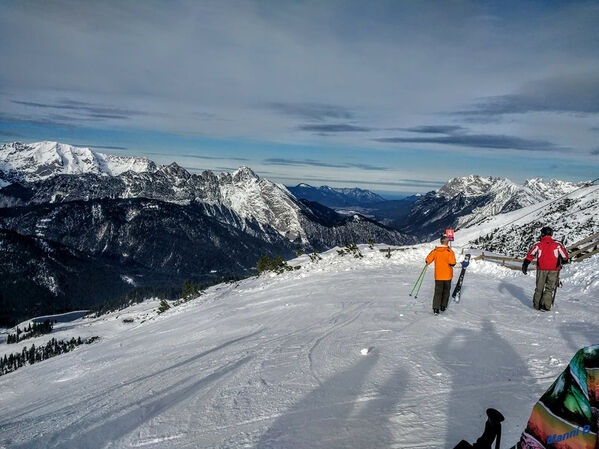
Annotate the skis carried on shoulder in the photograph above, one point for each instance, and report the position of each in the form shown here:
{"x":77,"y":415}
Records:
{"x":457,"y":291}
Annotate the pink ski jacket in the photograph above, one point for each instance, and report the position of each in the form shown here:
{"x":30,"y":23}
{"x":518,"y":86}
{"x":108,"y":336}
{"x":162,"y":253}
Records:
{"x":550,"y":254}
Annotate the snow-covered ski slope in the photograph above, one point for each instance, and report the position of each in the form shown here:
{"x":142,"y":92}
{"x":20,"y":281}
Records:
{"x":277,"y":362}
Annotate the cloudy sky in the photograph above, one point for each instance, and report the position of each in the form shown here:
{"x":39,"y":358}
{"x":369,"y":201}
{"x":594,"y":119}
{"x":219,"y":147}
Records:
{"x":395,"y":96}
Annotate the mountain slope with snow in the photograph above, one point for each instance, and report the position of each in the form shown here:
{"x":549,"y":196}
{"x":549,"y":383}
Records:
{"x":467,"y":201}
{"x":277,"y":362}
{"x":42,"y":160}
{"x":573,"y":218}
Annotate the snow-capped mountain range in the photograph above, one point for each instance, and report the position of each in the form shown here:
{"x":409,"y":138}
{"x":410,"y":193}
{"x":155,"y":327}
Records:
{"x":470,"y":200}
{"x":38,"y":166}
{"x":462,"y":202}
{"x":105,"y":176}
{"x":42,"y":160}
{"x":336,"y":197}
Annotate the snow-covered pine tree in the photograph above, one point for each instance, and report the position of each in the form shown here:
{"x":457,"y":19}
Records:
{"x":164,"y":306}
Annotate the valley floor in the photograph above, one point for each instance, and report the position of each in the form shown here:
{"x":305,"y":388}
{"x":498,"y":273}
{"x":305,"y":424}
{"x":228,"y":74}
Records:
{"x":277,"y":362}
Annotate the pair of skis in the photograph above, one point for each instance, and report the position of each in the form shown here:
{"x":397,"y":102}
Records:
{"x":457,"y":291}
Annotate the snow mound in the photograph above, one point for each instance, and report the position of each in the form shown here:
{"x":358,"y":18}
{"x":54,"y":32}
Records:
{"x":583,"y":275}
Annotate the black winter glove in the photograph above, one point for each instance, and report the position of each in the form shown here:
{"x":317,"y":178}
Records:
{"x":525,"y":266}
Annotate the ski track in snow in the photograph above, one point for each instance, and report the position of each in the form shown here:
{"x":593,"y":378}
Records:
{"x":275,"y":362}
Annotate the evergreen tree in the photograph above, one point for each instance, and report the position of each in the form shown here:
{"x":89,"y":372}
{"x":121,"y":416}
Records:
{"x":31,"y":355}
{"x":276,"y":264}
{"x":353,"y":249}
{"x":314,"y":256}
{"x":190,"y":289}
{"x":164,"y":306}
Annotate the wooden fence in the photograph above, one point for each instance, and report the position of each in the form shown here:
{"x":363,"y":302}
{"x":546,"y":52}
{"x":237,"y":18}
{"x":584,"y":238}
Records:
{"x":576,"y":252}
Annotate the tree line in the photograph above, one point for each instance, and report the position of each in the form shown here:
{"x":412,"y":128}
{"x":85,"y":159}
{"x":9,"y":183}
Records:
{"x":33,"y":330}
{"x":33,"y":354}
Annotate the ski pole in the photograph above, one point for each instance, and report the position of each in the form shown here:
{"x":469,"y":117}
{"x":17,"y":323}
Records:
{"x":421,"y":280}
{"x":417,"y":280}
{"x":556,"y":286}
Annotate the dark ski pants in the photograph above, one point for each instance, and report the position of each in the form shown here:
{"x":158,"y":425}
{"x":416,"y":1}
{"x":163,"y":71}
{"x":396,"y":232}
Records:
{"x":546,"y":281}
{"x":441,"y":296}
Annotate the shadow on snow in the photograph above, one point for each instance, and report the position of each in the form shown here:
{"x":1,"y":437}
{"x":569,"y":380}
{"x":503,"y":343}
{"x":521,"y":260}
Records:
{"x":336,"y":414}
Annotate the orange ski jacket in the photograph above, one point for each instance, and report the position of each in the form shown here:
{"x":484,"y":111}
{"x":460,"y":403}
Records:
{"x":444,"y":259}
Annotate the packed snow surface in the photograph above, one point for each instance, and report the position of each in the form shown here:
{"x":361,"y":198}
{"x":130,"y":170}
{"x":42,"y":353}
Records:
{"x":333,"y":355}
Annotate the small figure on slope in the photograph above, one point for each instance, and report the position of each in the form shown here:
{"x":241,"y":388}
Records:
{"x":444,"y":259}
{"x":550,"y":257}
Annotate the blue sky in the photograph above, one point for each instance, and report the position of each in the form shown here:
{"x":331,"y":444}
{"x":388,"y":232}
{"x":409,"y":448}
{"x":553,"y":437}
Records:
{"x":394,"y":96}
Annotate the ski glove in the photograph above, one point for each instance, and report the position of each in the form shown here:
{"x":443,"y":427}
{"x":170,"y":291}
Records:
{"x":465,"y":264}
{"x":525,"y":265}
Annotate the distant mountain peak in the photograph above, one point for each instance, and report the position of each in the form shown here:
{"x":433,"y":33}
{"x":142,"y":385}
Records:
{"x":244,"y":173}
{"x":336,"y":196}
{"x":473,"y":185}
{"x":175,"y":170}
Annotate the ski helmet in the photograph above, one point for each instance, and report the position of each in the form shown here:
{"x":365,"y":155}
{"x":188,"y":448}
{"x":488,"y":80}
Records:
{"x":546,"y":231}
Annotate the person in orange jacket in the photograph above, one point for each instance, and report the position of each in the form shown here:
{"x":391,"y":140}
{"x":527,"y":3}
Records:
{"x":444,"y":259}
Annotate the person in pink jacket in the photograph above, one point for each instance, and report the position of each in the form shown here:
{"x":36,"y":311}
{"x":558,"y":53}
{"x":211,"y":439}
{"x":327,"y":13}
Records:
{"x":550,"y":256}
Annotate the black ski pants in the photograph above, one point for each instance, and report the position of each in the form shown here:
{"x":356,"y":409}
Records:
{"x":441,"y":296}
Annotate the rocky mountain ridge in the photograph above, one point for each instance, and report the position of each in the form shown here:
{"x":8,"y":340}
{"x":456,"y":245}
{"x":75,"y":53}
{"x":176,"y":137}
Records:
{"x":336,"y":197}
{"x":42,"y":160}
{"x":470,"y":200}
